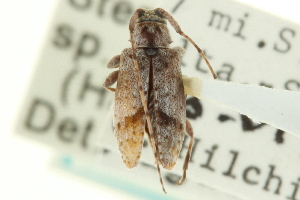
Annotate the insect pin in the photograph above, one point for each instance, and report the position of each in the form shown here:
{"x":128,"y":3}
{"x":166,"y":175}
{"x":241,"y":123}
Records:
{"x":149,"y":96}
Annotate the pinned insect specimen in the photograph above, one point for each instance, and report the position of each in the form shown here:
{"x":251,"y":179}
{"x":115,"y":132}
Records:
{"x":149,"y":96}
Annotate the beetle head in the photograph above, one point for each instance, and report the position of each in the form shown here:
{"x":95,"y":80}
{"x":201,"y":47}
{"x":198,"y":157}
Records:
{"x":145,"y":15}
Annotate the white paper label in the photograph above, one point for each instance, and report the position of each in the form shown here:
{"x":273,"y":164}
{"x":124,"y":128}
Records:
{"x":68,"y":108}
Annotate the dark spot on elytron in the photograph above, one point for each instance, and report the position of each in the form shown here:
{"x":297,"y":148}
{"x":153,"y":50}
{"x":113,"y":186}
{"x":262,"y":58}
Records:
{"x":173,"y":56}
{"x":158,"y":14}
{"x":156,"y":101}
{"x":130,"y":56}
{"x":166,"y":65}
{"x":165,"y":119}
{"x":131,"y":120}
{"x":181,"y":126}
{"x":140,"y":13}
{"x":119,"y":125}
{"x":174,"y":98}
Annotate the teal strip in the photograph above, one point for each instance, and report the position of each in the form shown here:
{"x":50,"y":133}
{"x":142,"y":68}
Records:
{"x":67,"y":163}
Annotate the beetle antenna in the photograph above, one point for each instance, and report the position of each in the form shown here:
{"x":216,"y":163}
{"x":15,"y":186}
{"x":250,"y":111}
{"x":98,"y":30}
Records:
{"x":154,"y":147}
{"x":177,"y":28}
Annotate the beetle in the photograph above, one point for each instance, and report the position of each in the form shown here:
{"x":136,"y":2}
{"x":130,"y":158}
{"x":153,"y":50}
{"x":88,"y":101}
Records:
{"x":149,"y":96}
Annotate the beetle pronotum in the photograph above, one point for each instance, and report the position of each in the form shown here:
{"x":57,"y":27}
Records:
{"x":149,"y":96}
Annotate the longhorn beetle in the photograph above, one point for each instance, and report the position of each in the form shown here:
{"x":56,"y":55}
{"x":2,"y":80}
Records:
{"x":149,"y":96}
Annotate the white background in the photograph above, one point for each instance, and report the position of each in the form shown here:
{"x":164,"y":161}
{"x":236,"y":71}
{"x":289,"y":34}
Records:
{"x":24,"y":170}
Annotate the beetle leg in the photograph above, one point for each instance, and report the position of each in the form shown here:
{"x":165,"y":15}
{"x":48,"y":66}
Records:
{"x":190,"y":132}
{"x":110,"y":80}
{"x":114,"y":62}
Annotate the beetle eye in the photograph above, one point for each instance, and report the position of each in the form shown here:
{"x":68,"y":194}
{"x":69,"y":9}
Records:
{"x":158,"y":14}
{"x":140,"y":13}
